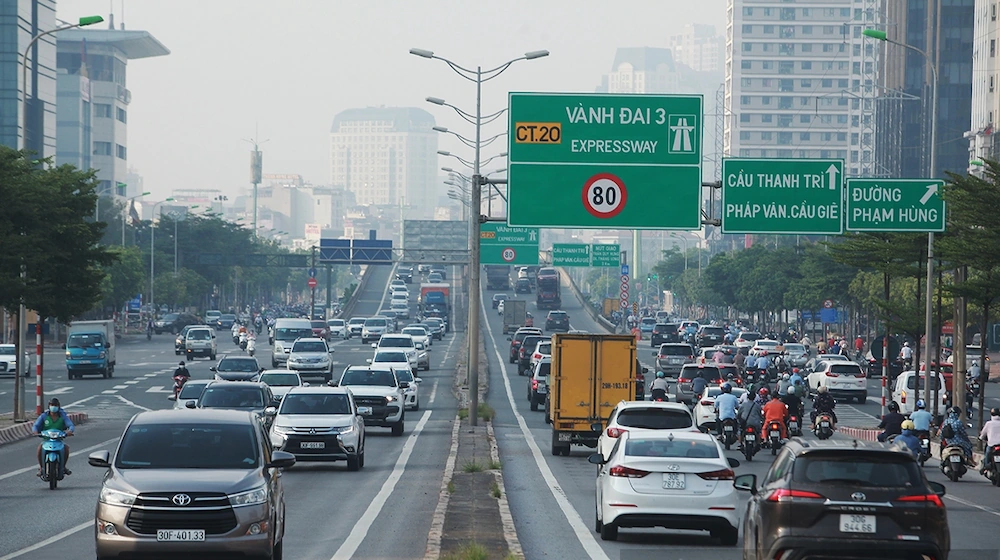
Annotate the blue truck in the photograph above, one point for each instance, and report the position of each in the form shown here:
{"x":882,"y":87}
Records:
{"x":90,"y":349}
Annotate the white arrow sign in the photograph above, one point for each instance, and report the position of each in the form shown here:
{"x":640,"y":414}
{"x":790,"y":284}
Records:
{"x":831,"y":173}
{"x":931,"y":191}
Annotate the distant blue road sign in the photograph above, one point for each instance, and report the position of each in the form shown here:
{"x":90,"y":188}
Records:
{"x":335,"y":251}
{"x":312,"y":272}
{"x":371,"y":251}
{"x":624,"y":270}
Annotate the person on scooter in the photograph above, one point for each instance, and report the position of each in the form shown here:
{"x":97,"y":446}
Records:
{"x":823,"y":403}
{"x":953,"y":423}
{"x":908,"y":438}
{"x":658,"y":389}
{"x":892,"y":423}
{"x":725,"y":406}
{"x":751,"y":414}
{"x":795,"y":379}
{"x":991,"y":436}
{"x":698,"y":385}
{"x":764,"y":366}
{"x":794,"y":403}
{"x":182,"y":371}
{"x":54,"y":419}
{"x":783,"y":385}
{"x":921,"y":418}
{"x":776,"y":411}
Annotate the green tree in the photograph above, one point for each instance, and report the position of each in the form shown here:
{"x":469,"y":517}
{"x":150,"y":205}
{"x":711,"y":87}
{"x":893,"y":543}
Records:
{"x":124,"y":278}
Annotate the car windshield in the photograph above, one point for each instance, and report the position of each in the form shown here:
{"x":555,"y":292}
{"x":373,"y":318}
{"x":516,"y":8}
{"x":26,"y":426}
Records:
{"x":544,"y":348}
{"x":671,"y":448}
{"x":84,"y":341}
{"x":199,"y":334}
{"x":675,"y":350}
{"x":318,"y":324}
{"x":308,"y":346}
{"x":712,"y":330}
{"x":188,"y":446}
{"x":335,"y":323}
{"x":227,"y":318}
{"x":286,"y":334}
{"x":649,"y":321}
{"x":858,"y":469}
{"x":395,"y":342}
{"x":557,"y":315}
{"x":845,"y":369}
{"x":912,"y":383}
{"x":374,"y":322}
{"x":716,"y":391}
{"x":280,"y":379}
{"x":221,"y":396}
{"x":404,"y":375}
{"x":314,"y":403}
{"x":238,"y":364}
{"x":356,"y":321}
{"x":414,"y":331}
{"x":169,"y":317}
{"x":6,"y":350}
{"x":192,"y":391}
{"x":750,"y":336}
{"x":369,"y":377}
{"x":795,"y":348}
{"x":654,"y":418}
{"x":706,"y":373}
{"x":390,"y":357}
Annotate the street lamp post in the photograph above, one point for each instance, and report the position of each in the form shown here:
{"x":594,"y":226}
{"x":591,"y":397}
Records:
{"x":928,"y":310}
{"x":22,"y":311}
{"x":477,"y":76}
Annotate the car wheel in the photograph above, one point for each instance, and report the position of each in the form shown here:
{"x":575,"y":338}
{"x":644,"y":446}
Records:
{"x":328,"y":377}
{"x":397,"y":428}
{"x":361,"y":457}
{"x":609,"y":532}
{"x":728,"y":536}
{"x":353,"y":462}
{"x":278,"y":552}
{"x":416,"y":405}
{"x":274,"y":364}
{"x":534,"y":402}
{"x":598,"y":526}
{"x":212,"y":357}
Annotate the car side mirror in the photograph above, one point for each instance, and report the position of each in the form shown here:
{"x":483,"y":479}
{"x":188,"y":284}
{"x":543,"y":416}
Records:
{"x":509,"y":339}
{"x":746,"y":483}
{"x":331,"y":350}
{"x":374,"y":345}
{"x":213,"y":368}
{"x":107,"y":345}
{"x":191,"y":404}
{"x":404,"y":384}
{"x":733,"y":462}
{"x":596,"y":459}
{"x":418,"y":380}
{"x":102,"y":459}
{"x":656,"y":354}
{"x":332,"y":383}
{"x":270,"y":411}
{"x":645,"y":370}
{"x":368,"y":360}
{"x":936,"y":487}
{"x":281,"y":460}
{"x":64,"y":346}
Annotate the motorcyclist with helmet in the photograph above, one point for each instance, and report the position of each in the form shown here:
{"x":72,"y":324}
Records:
{"x":892,"y":423}
{"x":793,"y":402}
{"x":775,"y":411}
{"x":751,"y":413}
{"x":957,"y":436}
{"x":725,"y":406}
{"x":182,"y":371}
{"x":658,"y":388}
{"x":783,"y":384}
{"x":823,"y":403}
{"x":908,"y":438}
{"x":55,"y":418}
{"x":990,"y":434}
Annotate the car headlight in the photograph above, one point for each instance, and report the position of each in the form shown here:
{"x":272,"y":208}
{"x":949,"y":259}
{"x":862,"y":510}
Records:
{"x":249,"y":498}
{"x":390,"y":398}
{"x":116,"y":498}
{"x":344,"y":430}
{"x":278,"y":347}
{"x":102,"y":355}
{"x":281,"y":430}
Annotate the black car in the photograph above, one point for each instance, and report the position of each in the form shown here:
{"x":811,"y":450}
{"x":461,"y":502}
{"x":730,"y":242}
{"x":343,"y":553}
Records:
{"x":237,"y":368}
{"x":526,"y":349}
{"x":663,"y":333}
{"x":250,"y":396}
{"x":844,"y":499}
{"x":711,"y":336}
{"x":174,"y":322}
{"x":497,"y":298}
{"x":405,"y":273}
{"x":225,"y":321}
{"x":522,"y":286}
{"x":557,"y":321}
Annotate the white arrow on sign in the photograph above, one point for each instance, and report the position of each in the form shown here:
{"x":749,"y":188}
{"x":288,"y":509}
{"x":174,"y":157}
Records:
{"x":831,"y":173}
{"x":931,"y":191}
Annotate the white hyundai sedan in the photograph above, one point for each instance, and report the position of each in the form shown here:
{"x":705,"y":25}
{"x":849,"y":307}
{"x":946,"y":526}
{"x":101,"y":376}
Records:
{"x":674,"y":480}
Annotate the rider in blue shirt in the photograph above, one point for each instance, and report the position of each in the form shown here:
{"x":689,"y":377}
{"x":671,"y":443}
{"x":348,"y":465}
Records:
{"x":921,"y":418}
{"x":725,"y":405}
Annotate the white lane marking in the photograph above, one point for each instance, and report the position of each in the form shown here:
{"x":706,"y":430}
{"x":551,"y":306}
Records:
{"x":360,"y":530}
{"x":109,"y":392}
{"x":132,"y":404}
{"x":966,"y":503}
{"x":59,"y":391}
{"x":580,"y":529}
{"x":434,"y":390}
{"x":133,"y":382}
{"x":54,"y":538}
{"x":79,"y":402}
{"x":385,"y":291}
{"x":35,"y":467}
{"x":120,"y":387}
{"x":437,"y":520}
{"x":160,"y":390}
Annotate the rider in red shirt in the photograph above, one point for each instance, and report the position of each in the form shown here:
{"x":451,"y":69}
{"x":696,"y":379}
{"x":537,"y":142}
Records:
{"x":777,"y":411}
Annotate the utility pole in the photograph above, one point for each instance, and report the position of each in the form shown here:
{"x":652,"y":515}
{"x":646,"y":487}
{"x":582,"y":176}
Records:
{"x":256,"y":167}
{"x":312,"y":284}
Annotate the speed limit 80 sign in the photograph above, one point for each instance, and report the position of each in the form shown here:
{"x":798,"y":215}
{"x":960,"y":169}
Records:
{"x":604,"y":195}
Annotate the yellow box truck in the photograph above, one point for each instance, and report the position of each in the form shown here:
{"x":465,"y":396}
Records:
{"x":590,"y":374}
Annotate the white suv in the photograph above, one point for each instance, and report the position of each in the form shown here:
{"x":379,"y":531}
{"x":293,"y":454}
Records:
{"x":200,"y":342}
{"x":644,"y":416}
{"x":380,"y":397}
{"x":401,"y":343}
{"x":311,"y":356}
{"x":844,"y":379}
{"x":338,"y":329}
{"x":321,"y":424}
{"x":373,"y":329}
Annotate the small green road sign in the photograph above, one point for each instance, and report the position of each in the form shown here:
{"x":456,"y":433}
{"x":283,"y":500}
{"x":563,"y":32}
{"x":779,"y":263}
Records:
{"x":783,"y":196}
{"x":605,"y":161}
{"x":605,"y":254}
{"x":570,"y":254}
{"x":502,"y":244}
{"x":895,"y":205}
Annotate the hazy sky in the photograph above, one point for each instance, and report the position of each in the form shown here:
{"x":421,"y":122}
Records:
{"x":289,"y":66}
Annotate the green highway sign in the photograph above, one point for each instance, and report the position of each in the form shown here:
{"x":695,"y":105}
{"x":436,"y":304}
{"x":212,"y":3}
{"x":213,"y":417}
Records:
{"x":783,"y":196}
{"x":605,"y":254}
{"x":605,"y":161}
{"x":570,"y":254}
{"x":502,"y":244}
{"x":895,"y":205}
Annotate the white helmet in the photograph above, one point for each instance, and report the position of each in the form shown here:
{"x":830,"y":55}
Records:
{"x":906,"y":344}
{"x":785,"y":377}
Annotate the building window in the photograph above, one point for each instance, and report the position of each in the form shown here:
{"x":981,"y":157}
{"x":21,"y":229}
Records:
{"x":744,"y":152}
{"x":827,"y":83}
{"x":747,"y":29}
{"x":841,"y":137}
{"x":102,"y":148}
{"x":744,"y":118}
{"x":102,"y":110}
{"x":744,"y":135}
{"x":746,"y":82}
{"x":786,"y":85}
{"x":744,"y":100}
{"x":993,"y":47}
{"x":803,"y":137}
{"x":747,"y":47}
{"x":841,"y":119}
{"x":786,"y":67}
{"x":806,"y":12}
{"x":784,"y":138}
{"x":804,"y":119}
{"x":827,"y":47}
{"x":784,"y":121}
{"x":806,"y":83}
{"x":766,"y":82}
{"x":788,"y":14}
{"x":842,"y":83}
{"x":767,"y":118}
{"x":827,"y":66}
{"x":766,"y":47}
{"x":746,"y":64}
{"x":842,"y":102}
{"x":768,"y":11}
{"x":748,"y":11}
{"x":845,"y":12}
{"x":787,"y":49}
{"x":842,"y":65}
{"x":120,"y":115}
{"x":807,"y":65}
{"x":767,"y":65}
{"x":807,"y":29}
{"x":991,"y":83}
{"x":765,"y":135}
{"x":787,"y":32}
{"x":765,"y":100}
{"x":120,"y":151}
{"x":768,"y":30}
{"x":806,"y":47}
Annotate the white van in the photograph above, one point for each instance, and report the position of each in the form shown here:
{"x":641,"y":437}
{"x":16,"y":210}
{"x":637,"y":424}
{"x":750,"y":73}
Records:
{"x":200,"y":341}
{"x":909,"y":387}
{"x":284,"y":334}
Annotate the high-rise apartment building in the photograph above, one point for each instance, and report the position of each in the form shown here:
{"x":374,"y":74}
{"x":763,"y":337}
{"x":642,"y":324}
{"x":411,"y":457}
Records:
{"x":20,"y":20}
{"x":386,"y":156}
{"x":642,"y":70}
{"x":982,"y":137}
{"x":699,"y":48}
{"x":93,"y":97}
{"x":793,"y":80}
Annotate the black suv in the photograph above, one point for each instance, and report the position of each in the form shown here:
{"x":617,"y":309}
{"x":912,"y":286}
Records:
{"x":174,"y":322}
{"x":711,"y":336}
{"x":236,"y":368}
{"x":405,"y":273}
{"x":557,"y":321}
{"x":522,"y":286}
{"x":664,"y":332}
{"x":844,"y":499}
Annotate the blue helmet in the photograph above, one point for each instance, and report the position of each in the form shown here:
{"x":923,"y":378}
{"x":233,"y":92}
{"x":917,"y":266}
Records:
{"x":921,"y":405}
{"x":727,"y":388}
{"x":660,"y":375}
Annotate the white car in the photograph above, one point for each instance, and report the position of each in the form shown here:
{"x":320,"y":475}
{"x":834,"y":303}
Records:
{"x":400,"y":342}
{"x":397,"y":284}
{"x":8,"y":360}
{"x":845,"y":380}
{"x":411,"y":394}
{"x":311,"y":356}
{"x":704,"y":408}
{"x":423,"y":356}
{"x":642,"y":417}
{"x":418,"y":334}
{"x":672,"y":479}
{"x":378,"y":394}
{"x":338,"y":329}
{"x":281,"y":381}
{"x":374,"y":328}
{"x":765,"y":345}
{"x":321,"y":424}
{"x":908,"y":388}
{"x":542,"y":350}
{"x":400,"y":309}
{"x":395,"y":357}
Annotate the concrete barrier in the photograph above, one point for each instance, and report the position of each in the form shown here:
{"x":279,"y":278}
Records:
{"x":864,"y":434}
{"x":348,"y":309}
{"x":597,"y":317}
{"x":22,"y":431}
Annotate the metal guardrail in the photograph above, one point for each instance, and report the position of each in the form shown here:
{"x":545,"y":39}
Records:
{"x":597,"y":317}
{"x":348,"y":308}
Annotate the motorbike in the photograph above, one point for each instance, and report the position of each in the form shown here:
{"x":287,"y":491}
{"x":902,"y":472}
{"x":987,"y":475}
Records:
{"x":992,"y":469}
{"x":149,"y":333}
{"x":925,"y":446}
{"x":823,"y":428}
{"x":774,"y":436}
{"x":52,"y":456}
{"x":971,"y":394}
{"x":251,"y":346}
{"x":728,"y":432}
{"x":953,"y":462}
{"x":794,"y":426}
{"x":750,"y":442}
{"x":243,"y":341}
{"x":179,"y":381}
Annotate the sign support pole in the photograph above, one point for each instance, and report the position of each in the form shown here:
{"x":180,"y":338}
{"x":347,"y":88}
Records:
{"x":475,"y":209}
{"x":312,"y":289}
